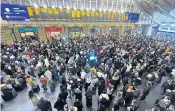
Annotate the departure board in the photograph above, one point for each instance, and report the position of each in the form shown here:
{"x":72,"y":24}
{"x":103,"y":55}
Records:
{"x":31,"y":12}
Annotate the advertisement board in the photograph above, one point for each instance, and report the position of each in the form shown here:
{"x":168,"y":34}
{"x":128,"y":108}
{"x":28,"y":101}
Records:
{"x":14,"y":12}
{"x":131,"y":17}
{"x":27,"y":29}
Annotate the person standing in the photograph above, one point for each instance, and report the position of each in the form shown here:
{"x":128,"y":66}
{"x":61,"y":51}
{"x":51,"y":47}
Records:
{"x":78,"y":104}
{"x":59,"y":104}
{"x":88,"y":95}
{"x":43,"y":81}
{"x":33,"y":98}
{"x":145,"y":93}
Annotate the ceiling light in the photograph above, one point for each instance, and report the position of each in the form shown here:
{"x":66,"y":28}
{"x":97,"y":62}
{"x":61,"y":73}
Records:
{"x":45,"y":6}
{"x":35,"y":5}
{"x":53,"y":6}
{"x":68,"y":8}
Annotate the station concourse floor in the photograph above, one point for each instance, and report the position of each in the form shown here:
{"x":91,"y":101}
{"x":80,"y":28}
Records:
{"x":21,"y":103}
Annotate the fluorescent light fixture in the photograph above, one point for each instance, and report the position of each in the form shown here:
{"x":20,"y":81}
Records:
{"x":53,"y":6}
{"x":44,"y":6}
{"x":35,"y":5}
{"x":68,"y":8}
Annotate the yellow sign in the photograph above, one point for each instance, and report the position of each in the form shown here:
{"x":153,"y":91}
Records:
{"x":92,"y":13}
{"x":50,"y":11}
{"x":109,"y":15}
{"x":78,"y":13}
{"x":67,"y":11}
{"x":43,"y":10}
{"x":83,"y":13}
{"x":101,"y":14}
{"x":30,"y":11}
{"x":56,"y":11}
{"x":112,"y":15}
{"x":37,"y":11}
{"x":125,"y":17}
{"x":73,"y":13}
{"x":97,"y":13}
{"x":88,"y":13}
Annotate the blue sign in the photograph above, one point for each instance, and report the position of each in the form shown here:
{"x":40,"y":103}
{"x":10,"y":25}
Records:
{"x":14,"y":12}
{"x":133,"y":17}
{"x":27,"y":29}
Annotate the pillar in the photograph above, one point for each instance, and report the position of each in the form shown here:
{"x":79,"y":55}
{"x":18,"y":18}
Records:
{"x":146,"y":30}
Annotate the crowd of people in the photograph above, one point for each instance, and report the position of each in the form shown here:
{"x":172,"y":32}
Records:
{"x":110,"y":68}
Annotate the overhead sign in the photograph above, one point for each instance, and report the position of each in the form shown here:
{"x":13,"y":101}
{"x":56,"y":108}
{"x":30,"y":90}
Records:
{"x":27,"y":29}
{"x":167,"y":28}
{"x":53,"y":29}
{"x":75,"y":29}
{"x":14,"y":12}
{"x":131,"y":17}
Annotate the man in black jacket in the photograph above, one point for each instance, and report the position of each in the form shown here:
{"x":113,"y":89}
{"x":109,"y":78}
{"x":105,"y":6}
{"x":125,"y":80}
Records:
{"x":44,"y":105}
{"x":59,"y":104}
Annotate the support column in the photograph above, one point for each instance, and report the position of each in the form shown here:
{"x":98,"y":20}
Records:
{"x":147,"y":30}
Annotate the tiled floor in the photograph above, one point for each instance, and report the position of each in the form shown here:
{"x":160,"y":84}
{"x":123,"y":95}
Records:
{"x":21,"y":103}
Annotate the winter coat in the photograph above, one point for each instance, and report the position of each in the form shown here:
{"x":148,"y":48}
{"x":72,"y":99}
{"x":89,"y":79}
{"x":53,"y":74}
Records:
{"x":44,"y":105}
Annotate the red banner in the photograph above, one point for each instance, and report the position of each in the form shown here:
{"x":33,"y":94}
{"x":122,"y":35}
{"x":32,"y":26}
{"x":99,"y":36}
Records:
{"x":53,"y":29}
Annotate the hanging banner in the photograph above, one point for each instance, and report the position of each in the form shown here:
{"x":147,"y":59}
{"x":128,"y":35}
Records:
{"x":88,"y":15}
{"x":73,"y":14}
{"x":68,"y":15}
{"x":78,"y":13}
{"x":112,"y":16}
{"x":38,"y":13}
{"x":92,"y":15}
{"x":116,"y":17}
{"x":31,"y":12}
{"x":83,"y":15}
{"x":44,"y":13}
{"x":63,"y":14}
{"x":101,"y":16}
{"x":109,"y":16}
{"x":56,"y":13}
{"x":14,"y":12}
{"x":105,"y":16}
{"x":97,"y":15}
{"x":51,"y":13}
